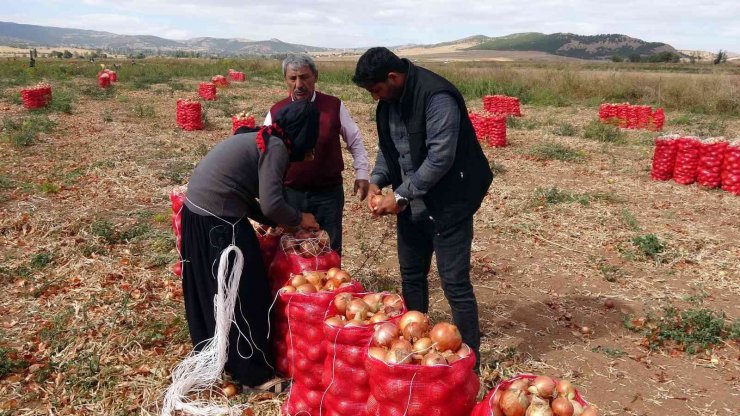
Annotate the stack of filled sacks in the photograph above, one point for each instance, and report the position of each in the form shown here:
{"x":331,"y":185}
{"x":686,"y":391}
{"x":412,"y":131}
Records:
{"x":37,"y":96}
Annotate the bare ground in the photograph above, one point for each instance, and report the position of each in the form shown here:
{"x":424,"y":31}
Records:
{"x":101,"y":324}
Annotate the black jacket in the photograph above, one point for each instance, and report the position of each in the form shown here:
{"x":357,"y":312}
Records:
{"x":460,"y":192}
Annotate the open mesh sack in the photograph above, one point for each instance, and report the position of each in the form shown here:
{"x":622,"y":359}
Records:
{"x":299,"y":252}
{"x":38,"y":96}
{"x":486,"y":406}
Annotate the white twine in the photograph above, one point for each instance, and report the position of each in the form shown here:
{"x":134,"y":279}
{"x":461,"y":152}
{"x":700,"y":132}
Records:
{"x":333,"y":367}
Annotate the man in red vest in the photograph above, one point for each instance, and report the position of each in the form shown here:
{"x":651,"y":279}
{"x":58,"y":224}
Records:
{"x":316,"y":186}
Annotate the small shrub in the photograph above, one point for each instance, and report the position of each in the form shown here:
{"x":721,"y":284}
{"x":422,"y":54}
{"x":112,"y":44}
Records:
{"x":41,"y":260}
{"x":565,"y":129}
{"x":628,"y":218}
{"x":649,"y":245}
{"x":10,"y":362}
{"x":554,"y":195}
{"x":61,"y":101}
{"x":602,"y":132}
{"x":556,"y":151}
{"x":105,"y":230}
{"x":24,"y":132}
{"x":142,"y":110}
{"x":49,"y":188}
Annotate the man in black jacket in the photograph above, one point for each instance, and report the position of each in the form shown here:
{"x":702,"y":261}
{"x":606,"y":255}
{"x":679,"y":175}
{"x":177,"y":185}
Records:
{"x":430,"y":156}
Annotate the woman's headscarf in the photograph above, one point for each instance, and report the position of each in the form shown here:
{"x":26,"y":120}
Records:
{"x":297,"y":124}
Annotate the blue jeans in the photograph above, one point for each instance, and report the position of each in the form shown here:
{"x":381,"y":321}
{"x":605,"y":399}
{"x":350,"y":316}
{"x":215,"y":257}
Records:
{"x":326,"y":205}
{"x":417,"y":241}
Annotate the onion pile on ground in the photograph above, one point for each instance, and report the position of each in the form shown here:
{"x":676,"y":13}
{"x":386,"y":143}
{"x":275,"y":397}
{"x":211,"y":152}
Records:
{"x":415,"y":341}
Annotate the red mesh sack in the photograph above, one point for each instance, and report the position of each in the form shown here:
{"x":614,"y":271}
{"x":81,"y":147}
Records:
{"x":345,"y":376}
{"x":687,"y":160}
{"x":622,"y":114}
{"x":495,"y":127}
{"x":236,"y":75}
{"x":301,"y":252}
{"x":658,"y":119}
{"x":632,"y":116}
{"x":644,"y":116}
{"x":104,"y":80}
{"x":711,"y":155}
{"x":514,"y":107}
{"x":241,"y":120}
{"x":37,"y":96}
{"x":731,"y":169}
{"x":188,"y":115}
{"x":177,"y":198}
{"x":113,"y":76}
{"x":664,"y":158}
{"x":477,"y":121}
{"x":220,"y":81}
{"x":207,"y":91}
{"x":269,"y":239}
{"x":416,"y":390}
{"x":604,"y":111}
{"x":305,"y":350}
{"x":485,"y":407}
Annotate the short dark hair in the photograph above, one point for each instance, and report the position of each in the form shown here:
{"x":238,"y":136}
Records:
{"x":375,"y":64}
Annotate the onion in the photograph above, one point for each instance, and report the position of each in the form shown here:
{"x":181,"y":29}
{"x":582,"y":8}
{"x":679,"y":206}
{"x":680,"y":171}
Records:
{"x":514,"y":402}
{"x":324,"y":240}
{"x":496,"y":403}
{"x":398,"y":356}
{"x":357,"y":308}
{"x":446,"y":336}
{"x":413,"y":332}
{"x":385,"y":334}
{"x":565,"y":389}
{"x":543,"y":386}
{"x":452,"y":358}
{"x":414,"y":316}
{"x":521,"y":384}
{"x":298,"y":280}
{"x":332,"y":272}
{"x":308,"y":249}
{"x":229,"y":390}
{"x":590,"y":411}
{"x":341,"y":301}
{"x":434,"y":358}
{"x":306,"y":288}
{"x":577,"y":408}
{"x":539,"y":407}
{"x":334,"y":281}
{"x":423,"y":344}
{"x":392,"y":305}
{"x":378,"y":317}
{"x":403,"y":344}
{"x":377,"y":353}
{"x":354,"y":322}
{"x":314,"y":278}
{"x":346,"y":284}
{"x":464,"y":351}
{"x":375,"y":200}
{"x":335,"y":321}
{"x":287,"y":289}
{"x":330,"y":286}
{"x":373,"y":301}
{"x":343,"y":276}
{"x":562,"y":407}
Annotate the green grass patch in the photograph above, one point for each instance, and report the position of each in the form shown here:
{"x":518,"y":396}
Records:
{"x":556,"y":151}
{"x":554,"y":195}
{"x":629,"y":219}
{"x":48,"y":188}
{"x":565,"y":129}
{"x":649,"y":245}
{"x":602,"y":132}
{"x":41,"y":260}
{"x":142,"y":110}
{"x":521,"y":123}
{"x":24,"y":131}
{"x":11,"y":361}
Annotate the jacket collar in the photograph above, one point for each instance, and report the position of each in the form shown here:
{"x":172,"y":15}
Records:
{"x":406,"y":101}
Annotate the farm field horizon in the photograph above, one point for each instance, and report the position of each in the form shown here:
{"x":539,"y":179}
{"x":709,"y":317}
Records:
{"x":584,"y":267}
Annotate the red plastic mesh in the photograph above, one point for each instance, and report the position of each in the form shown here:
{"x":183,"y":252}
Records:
{"x":269,"y":239}
{"x":483,"y":408}
{"x":659,"y":119}
{"x":37,"y":96}
{"x":237,"y":121}
{"x":177,"y":198}
{"x":236,"y":75}
{"x":502,"y":104}
{"x":287,"y":263}
{"x":220,"y":81}
{"x":104,"y":80}
{"x":491,"y":128}
{"x":207,"y":91}
{"x":711,"y":155}
{"x":632,"y":116}
{"x":188,"y":115}
{"x":687,"y":160}
{"x":731,"y":169}
{"x":345,"y":376}
{"x":664,"y":158}
{"x":299,"y":350}
{"x":415,"y":390}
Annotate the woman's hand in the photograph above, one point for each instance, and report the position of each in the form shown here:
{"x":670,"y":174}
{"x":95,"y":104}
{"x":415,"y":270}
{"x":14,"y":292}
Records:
{"x":308,"y":222}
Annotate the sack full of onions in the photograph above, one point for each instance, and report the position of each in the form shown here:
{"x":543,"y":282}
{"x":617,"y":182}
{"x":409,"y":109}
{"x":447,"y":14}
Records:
{"x":416,"y":369}
{"x":242,"y":119}
{"x":323,"y":286}
{"x":531,"y":395}
{"x":299,"y":252}
{"x":731,"y":168}
{"x":177,"y":198}
{"x":686,"y":168}
{"x":306,"y":301}
{"x":348,"y":329}
{"x":664,"y":157}
{"x":711,"y":155}
{"x":269,"y":239}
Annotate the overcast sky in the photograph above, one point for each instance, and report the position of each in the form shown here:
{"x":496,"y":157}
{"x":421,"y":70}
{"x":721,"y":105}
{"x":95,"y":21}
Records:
{"x":683,"y":24}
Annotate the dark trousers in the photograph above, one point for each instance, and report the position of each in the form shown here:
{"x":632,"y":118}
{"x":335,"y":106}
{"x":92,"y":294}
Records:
{"x":417,"y":240}
{"x":203,"y":240}
{"x":326,"y":205}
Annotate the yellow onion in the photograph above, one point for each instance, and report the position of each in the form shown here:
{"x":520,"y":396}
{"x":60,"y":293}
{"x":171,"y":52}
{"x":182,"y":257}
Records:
{"x":562,"y":407}
{"x":565,"y":389}
{"x":446,"y":337}
{"x":539,"y":407}
{"x":287,"y":289}
{"x":433,"y":358}
{"x":332,"y":272}
{"x":590,"y":411}
{"x":413,"y":332}
{"x":423,"y":344}
{"x":343,"y":276}
{"x":354,"y":322}
{"x":514,"y":402}
{"x":542,"y":386}
{"x":464,"y":351}
{"x":392,"y":305}
{"x":377,"y":353}
{"x":378,"y":317}
{"x":357,"y":308}
{"x":398,"y":356}
{"x":306,"y":288}
{"x":298,"y":280}
{"x":373,"y":301}
{"x":496,"y":403}
{"x":577,"y":408}
{"x":335,"y":321}
{"x":401,"y":343}
{"x":452,"y":358}
{"x":229,"y":390}
{"x":520,"y":384}
{"x":414,"y":316}
{"x":314,"y":278}
{"x":385,"y":334}
{"x":341,"y":300}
